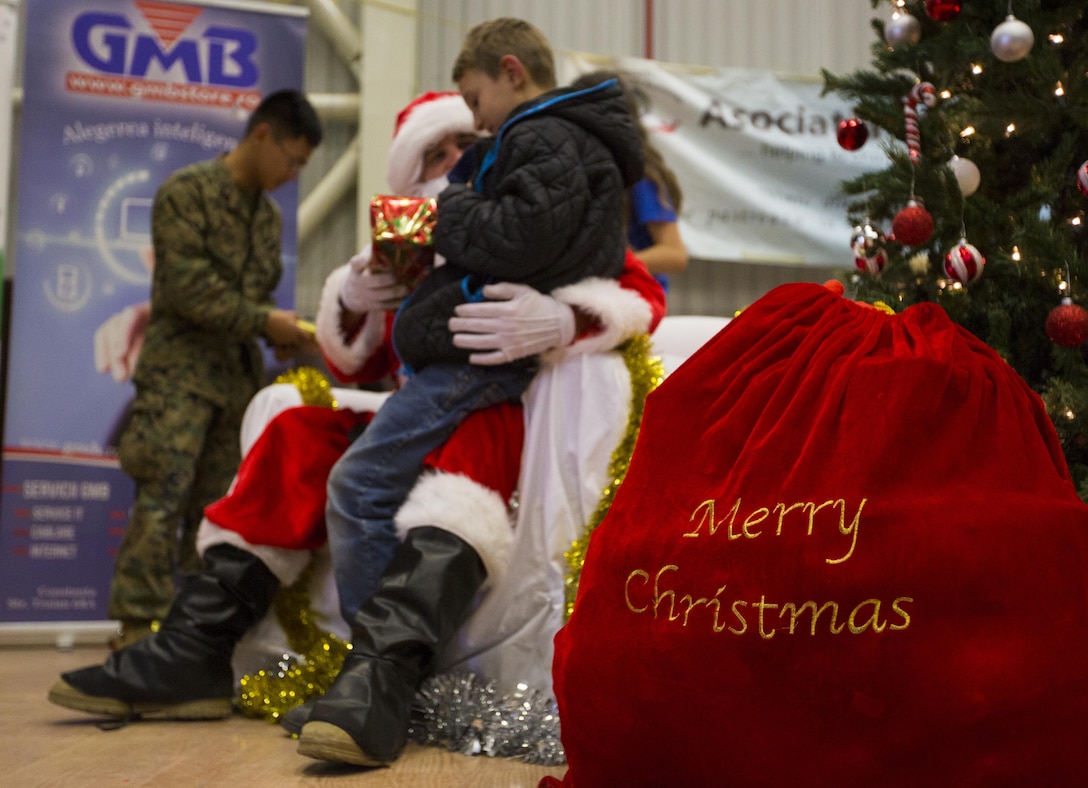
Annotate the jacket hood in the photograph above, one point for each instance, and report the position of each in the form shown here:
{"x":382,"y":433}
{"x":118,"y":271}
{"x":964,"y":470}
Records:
{"x":602,"y":111}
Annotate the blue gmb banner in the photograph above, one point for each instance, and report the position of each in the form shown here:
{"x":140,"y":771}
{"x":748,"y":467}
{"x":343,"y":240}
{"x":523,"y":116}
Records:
{"x":117,"y":95}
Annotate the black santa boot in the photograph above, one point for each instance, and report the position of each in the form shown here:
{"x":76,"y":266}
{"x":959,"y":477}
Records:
{"x":424,"y":595}
{"x":183,"y":671}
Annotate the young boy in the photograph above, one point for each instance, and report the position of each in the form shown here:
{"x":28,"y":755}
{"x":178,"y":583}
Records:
{"x":544,"y":208}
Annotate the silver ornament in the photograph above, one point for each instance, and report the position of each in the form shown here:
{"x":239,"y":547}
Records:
{"x":902,"y":30}
{"x":1012,"y":40}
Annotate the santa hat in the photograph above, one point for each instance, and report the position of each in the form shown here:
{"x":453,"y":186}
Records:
{"x":425,"y":121}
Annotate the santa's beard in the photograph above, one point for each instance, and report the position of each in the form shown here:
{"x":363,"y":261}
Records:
{"x":430,"y":188}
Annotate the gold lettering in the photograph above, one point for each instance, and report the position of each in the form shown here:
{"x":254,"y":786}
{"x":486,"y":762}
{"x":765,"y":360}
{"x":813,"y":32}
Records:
{"x":783,"y":510}
{"x":813,"y":509}
{"x":901,"y":611}
{"x":758,"y":516}
{"x":708,"y":507}
{"x":627,"y":591}
{"x":717,"y":605}
{"x":795,"y":612}
{"x":732,"y":519}
{"x":672,"y":605}
{"x":873,"y":620}
{"x":740,"y":617}
{"x":851,"y":530}
{"x":659,"y":596}
{"x":762,"y":605}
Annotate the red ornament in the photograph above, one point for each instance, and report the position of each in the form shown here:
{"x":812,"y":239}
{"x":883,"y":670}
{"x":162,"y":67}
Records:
{"x":1082,"y":179}
{"x":964,"y":263}
{"x":943,"y":10}
{"x":852,"y":133}
{"x":1067,"y":325}
{"x":913,"y":225}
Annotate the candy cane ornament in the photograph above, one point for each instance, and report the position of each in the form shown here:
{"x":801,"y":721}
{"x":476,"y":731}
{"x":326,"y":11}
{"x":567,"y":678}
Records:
{"x":923,"y":93}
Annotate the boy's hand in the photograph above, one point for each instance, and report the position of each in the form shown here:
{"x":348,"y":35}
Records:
{"x":517,"y":322}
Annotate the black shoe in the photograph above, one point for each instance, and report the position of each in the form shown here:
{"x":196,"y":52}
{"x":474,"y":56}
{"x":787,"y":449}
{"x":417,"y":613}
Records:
{"x":293,"y":719}
{"x":421,"y":600}
{"x":183,"y":671}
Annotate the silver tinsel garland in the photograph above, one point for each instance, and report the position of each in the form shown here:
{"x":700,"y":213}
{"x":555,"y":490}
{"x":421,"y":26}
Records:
{"x":459,"y":712}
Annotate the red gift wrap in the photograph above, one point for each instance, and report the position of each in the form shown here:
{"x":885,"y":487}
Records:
{"x":402,"y":236}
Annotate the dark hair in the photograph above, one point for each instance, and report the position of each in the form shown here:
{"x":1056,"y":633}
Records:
{"x":486,"y":44}
{"x":655,"y":167}
{"x":290,"y":115}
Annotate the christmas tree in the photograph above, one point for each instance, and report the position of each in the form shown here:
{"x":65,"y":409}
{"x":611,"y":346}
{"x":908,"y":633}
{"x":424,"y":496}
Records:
{"x":991,"y":101}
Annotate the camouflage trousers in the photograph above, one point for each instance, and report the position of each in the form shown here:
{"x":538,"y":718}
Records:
{"x":182,"y":451}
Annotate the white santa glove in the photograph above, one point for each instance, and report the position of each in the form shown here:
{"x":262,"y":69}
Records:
{"x":117,"y":342}
{"x":364,"y":290}
{"x":517,"y":321}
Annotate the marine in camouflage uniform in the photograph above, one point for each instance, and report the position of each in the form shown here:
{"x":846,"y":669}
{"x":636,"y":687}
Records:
{"x":217,"y":262}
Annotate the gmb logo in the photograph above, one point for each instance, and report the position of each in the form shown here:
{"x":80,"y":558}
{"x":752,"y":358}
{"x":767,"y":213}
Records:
{"x":111,"y":44}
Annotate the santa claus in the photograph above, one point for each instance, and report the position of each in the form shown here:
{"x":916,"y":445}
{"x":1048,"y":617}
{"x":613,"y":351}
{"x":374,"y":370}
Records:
{"x":466,"y":588}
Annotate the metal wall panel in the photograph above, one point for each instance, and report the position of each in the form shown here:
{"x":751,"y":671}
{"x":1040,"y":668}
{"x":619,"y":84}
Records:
{"x":796,"y":37}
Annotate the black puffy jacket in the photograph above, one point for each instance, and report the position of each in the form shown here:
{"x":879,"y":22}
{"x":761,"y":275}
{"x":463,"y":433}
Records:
{"x":544,"y":208}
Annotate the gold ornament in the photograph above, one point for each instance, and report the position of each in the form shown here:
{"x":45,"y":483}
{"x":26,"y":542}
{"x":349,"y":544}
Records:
{"x":919,"y":263}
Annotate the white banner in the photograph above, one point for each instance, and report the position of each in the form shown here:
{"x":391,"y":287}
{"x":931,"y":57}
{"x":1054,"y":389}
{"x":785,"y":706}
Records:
{"x":757,"y":157}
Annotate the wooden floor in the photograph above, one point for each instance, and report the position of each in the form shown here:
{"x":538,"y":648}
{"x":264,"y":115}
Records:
{"x":45,"y":745}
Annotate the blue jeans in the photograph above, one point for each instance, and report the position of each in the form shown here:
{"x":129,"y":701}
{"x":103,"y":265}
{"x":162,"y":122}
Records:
{"x":374,"y":476}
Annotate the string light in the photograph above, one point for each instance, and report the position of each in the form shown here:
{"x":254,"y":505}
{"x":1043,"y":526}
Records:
{"x":946,"y":94}
{"x":1056,"y":38}
{"x":1016,"y":254}
{"x":967,"y":132}
{"x":976,"y":69}
{"x":1010,"y":129}
{"x":1059,"y":90}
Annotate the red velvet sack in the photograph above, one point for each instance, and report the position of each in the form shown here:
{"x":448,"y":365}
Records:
{"x":847,"y":552}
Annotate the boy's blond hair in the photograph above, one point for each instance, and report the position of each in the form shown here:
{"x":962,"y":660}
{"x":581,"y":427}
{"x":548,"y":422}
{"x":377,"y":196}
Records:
{"x":487,"y":43}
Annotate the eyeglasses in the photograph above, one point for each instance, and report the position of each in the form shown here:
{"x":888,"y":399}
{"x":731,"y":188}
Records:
{"x":294,"y":163}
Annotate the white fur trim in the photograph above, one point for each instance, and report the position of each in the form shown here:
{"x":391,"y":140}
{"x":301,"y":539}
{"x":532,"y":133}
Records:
{"x":621,"y":313}
{"x":457,"y":504}
{"x":426,"y":124}
{"x":348,"y":358}
{"x":285,"y":564}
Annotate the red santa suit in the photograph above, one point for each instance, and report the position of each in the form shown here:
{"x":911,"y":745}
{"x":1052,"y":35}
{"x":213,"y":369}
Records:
{"x":555,"y":451}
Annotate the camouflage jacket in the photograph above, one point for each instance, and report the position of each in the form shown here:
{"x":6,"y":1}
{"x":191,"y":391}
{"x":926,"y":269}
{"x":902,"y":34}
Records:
{"x":217,"y":261}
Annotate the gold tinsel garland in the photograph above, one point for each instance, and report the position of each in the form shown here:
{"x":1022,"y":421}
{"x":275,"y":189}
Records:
{"x":312,"y":385}
{"x":269,"y":693}
{"x":646,"y":374}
